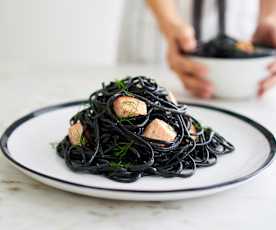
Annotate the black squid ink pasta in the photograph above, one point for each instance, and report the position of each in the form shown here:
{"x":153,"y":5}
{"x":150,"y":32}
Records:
{"x":223,"y":46}
{"x":118,"y":147}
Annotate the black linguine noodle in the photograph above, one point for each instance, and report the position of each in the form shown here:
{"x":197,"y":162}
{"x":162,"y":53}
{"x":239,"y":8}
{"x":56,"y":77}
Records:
{"x":223,"y":46}
{"x":116,"y":147}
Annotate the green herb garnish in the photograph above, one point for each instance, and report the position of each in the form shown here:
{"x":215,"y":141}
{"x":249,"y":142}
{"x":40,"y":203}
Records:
{"x":82,"y":141}
{"x":133,"y":107}
{"x":117,"y":165}
{"x":122,"y":149}
{"x":121,"y":85}
{"x":126,"y":120}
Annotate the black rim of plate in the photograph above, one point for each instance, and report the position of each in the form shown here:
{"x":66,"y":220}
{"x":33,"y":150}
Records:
{"x":268,"y":135}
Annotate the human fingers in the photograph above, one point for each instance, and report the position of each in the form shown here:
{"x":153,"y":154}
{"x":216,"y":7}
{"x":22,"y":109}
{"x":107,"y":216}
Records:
{"x":181,"y":64}
{"x":198,"y":87}
{"x":272,"y":68}
{"x":192,"y":67}
{"x":266,"y":84}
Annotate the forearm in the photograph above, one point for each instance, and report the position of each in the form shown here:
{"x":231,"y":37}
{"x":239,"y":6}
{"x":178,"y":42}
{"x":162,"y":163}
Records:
{"x":267,"y":9}
{"x":166,"y":13}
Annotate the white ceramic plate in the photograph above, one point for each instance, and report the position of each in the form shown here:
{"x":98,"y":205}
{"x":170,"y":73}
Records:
{"x":26,"y":144}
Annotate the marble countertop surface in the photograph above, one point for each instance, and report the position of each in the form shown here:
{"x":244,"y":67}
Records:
{"x":26,"y":204}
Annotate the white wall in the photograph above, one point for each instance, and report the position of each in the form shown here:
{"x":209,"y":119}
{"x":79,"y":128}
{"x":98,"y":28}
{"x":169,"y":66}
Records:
{"x":59,"y":31}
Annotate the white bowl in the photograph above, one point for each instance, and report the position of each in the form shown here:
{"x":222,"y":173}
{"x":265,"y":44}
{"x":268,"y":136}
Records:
{"x":236,"y":78}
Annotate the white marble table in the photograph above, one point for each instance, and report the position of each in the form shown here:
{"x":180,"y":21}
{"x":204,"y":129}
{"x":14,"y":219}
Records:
{"x":26,"y":204}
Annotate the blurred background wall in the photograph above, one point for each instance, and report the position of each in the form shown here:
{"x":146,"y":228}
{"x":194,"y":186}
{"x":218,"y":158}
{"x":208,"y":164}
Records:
{"x":59,"y":31}
{"x":99,"y":32}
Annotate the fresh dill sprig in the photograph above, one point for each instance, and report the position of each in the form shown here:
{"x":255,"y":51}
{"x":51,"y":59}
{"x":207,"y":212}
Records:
{"x":120,"y":164}
{"x":133,"y":108}
{"x":121,"y":85}
{"x":126,"y":120}
{"x":82,"y":141}
{"x":122,"y":149}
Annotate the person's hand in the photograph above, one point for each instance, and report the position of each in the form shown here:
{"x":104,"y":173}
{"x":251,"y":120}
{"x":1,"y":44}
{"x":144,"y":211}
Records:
{"x":266,"y":35}
{"x":191,"y":73}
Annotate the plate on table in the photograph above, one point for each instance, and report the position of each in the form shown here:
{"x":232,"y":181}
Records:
{"x":28,"y":145}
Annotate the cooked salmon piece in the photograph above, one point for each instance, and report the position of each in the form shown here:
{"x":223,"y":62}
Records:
{"x":172,"y":98}
{"x":127,"y":106}
{"x":75,"y":133}
{"x":245,"y":46}
{"x":160,"y":130}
